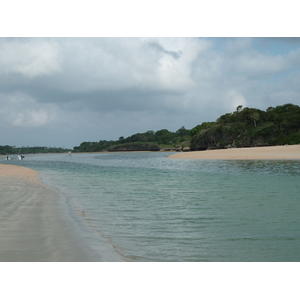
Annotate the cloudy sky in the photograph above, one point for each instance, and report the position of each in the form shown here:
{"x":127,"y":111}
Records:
{"x":63,"y":91}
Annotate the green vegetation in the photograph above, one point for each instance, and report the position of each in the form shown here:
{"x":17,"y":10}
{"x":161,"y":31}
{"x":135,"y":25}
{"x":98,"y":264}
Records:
{"x":245,"y":127}
{"x":136,"y":146}
{"x":147,"y":141}
{"x":4,"y":150}
{"x":248,"y":127}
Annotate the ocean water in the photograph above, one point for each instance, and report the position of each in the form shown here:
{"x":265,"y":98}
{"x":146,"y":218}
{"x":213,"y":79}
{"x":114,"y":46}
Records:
{"x":151,"y":208}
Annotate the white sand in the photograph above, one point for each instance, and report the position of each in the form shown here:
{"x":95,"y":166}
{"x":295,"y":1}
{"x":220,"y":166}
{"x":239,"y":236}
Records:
{"x":276,"y":152}
{"x":33,"y":226}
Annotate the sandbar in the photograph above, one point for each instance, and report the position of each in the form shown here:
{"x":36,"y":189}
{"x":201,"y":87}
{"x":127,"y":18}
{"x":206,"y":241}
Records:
{"x":34,"y":227}
{"x":289,"y":152}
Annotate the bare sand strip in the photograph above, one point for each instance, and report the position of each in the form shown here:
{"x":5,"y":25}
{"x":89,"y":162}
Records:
{"x":266,"y":153}
{"x":32,"y":224}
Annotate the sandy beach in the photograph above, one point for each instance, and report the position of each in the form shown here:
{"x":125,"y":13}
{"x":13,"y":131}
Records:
{"x":267,"y":153}
{"x":34,"y":225}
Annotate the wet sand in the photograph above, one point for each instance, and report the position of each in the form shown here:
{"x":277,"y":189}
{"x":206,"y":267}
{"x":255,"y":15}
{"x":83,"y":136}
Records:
{"x":256,"y":153}
{"x":34,"y":225}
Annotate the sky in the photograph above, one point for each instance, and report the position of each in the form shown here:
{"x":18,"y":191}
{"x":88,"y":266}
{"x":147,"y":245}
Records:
{"x":99,"y":73}
{"x":64,"y":91}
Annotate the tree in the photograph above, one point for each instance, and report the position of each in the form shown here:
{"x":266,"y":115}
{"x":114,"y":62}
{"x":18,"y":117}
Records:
{"x":239,"y":108}
{"x":182,"y":131}
{"x":255,"y":116}
{"x":163,"y":136}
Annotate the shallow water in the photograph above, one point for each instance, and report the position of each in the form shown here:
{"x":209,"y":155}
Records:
{"x":151,"y":208}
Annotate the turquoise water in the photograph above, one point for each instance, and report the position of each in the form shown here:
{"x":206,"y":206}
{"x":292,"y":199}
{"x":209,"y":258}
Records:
{"x":151,"y":208}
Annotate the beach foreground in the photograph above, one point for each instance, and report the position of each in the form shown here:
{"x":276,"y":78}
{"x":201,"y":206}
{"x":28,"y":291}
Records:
{"x":268,"y":153}
{"x":34,"y":225}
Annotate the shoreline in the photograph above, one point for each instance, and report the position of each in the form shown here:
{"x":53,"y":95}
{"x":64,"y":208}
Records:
{"x":35,"y":224}
{"x":289,"y":152}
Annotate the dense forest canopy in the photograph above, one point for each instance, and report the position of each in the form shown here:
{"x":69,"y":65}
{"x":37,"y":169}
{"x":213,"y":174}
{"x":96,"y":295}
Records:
{"x":245,"y":127}
{"x":248,"y":127}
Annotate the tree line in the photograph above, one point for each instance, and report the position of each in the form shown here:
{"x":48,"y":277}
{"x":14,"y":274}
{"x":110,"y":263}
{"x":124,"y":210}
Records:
{"x":147,"y":141}
{"x":4,"y":150}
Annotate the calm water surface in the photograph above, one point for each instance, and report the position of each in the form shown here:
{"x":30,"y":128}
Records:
{"x":151,"y":208}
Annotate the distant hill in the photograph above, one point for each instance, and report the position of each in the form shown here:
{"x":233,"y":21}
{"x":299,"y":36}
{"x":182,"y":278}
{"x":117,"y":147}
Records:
{"x":249,"y":127}
{"x":245,"y":127}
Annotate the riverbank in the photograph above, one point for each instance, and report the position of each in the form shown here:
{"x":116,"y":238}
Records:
{"x":34,"y":223}
{"x":291,"y":152}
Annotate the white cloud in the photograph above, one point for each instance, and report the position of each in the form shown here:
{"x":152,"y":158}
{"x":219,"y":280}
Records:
{"x":31,"y":118}
{"x":235,"y":99}
{"x":176,"y":56}
{"x":29,"y":58}
{"x":21,"y":110}
{"x":127,"y":63}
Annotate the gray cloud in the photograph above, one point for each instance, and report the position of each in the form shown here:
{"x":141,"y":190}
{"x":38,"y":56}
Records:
{"x":77,"y":89}
{"x":161,"y":49}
